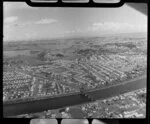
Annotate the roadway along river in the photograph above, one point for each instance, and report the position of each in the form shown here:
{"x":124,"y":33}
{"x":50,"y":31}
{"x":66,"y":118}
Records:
{"x":73,"y":99}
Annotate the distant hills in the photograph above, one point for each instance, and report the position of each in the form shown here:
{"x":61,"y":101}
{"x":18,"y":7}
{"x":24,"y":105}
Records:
{"x":132,"y":34}
{"x":137,"y":34}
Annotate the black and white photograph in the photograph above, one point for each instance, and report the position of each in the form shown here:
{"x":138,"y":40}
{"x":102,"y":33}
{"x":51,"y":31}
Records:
{"x":74,"y":62}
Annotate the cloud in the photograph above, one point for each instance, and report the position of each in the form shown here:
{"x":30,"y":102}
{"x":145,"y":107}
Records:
{"x":73,"y":31}
{"x":116,"y":26}
{"x":113,"y":26}
{"x":11,"y":19}
{"x":46,"y":21}
{"x":16,"y":24}
{"x":23,"y":24}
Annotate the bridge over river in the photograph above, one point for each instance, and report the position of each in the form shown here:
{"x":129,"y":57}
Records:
{"x":71,"y":99}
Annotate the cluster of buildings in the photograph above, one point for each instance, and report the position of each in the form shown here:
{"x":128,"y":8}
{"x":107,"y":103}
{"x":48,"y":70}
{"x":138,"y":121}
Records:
{"x":53,"y":88}
{"x":64,"y":77}
{"x":16,"y":85}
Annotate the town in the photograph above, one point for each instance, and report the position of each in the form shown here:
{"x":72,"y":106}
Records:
{"x":93,"y":67}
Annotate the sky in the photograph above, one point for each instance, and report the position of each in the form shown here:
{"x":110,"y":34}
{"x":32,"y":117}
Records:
{"x":22,"y":22}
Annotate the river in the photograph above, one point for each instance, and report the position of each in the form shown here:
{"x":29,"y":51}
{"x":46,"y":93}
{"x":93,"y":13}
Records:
{"x":69,"y":100}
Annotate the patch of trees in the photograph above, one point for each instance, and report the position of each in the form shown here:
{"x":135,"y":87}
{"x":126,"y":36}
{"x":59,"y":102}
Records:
{"x":41,"y":55}
{"x":86,"y":52}
{"x":59,"y":55}
{"x":142,"y":96}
